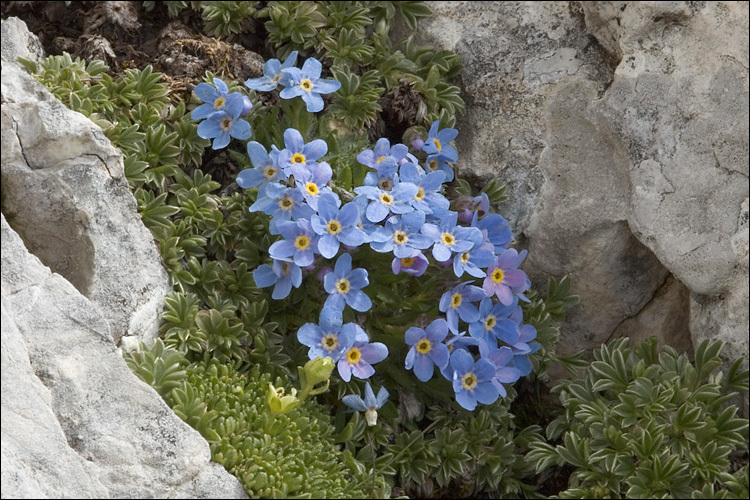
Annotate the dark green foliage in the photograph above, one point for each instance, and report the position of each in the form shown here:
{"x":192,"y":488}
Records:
{"x":645,"y":424}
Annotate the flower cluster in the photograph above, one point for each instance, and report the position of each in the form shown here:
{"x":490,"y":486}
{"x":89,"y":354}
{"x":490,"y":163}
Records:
{"x":401,"y":210}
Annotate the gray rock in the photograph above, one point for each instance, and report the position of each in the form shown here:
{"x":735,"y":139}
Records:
{"x":76,"y":422}
{"x":621,"y":130}
{"x":65,"y":193}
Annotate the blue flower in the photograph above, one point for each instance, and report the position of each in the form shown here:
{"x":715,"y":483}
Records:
{"x":271,"y":73}
{"x":264,"y":171}
{"x":457,"y":303}
{"x":215,"y":99}
{"x":496,"y":230}
{"x":439,"y":163}
{"x":524,"y":345}
{"x":344,"y":284}
{"x":300,"y":243}
{"x":306,"y":82}
{"x":311,"y":182}
{"x":437,"y":142}
{"x":401,"y":235}
{"x":416,"y":265}
{"x":336,"y":226}
{"x":454,"y":343}
{"x":282,"y":274}
{"x":383,"y":202}
{"x":500,"y":358}
{"x":494,"y":323}
{"x":427,"y":199}
{"x":472,"y":381}
{"x":329,"y":337}
{"x":427,"y":349}
{"x":472,"y":261}
{"x":450,"y":238}
{"x":281,"y":203}
{"x":382,"y":152}
{"x":220,"y":126}
{"x":298,"y":156}
{"x":370,"y":405}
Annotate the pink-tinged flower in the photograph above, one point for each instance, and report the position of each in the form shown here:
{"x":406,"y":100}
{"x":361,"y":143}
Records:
{"x":504,"y":279}
{"x":360,"y":357}
{"x":416,"y":265}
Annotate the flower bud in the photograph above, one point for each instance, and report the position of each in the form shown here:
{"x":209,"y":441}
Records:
{"x":278,"y":402}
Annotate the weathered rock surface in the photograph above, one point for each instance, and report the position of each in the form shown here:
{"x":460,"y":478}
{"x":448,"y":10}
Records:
{"x":65,"y":193}
{"x":621,"y":129}
{"x":76,"y":422}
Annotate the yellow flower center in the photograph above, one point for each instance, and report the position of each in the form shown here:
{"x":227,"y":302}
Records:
{"x":298,"y":158}
{"x":342,"y":286}
{"x":400,"y":237}
{"x":386,"y":199}
{"x":286,"y":203}
{"x":420,"y":194}
{"x":306,"y":84}
{"x":438,"y":146}
{"x":469,"y":381}
{"x":302,"y":242}
{"x":311,"y":188}
{"x":269,"y":172}
{"x":219,"y":102}
{"x":353,"y":355}
{"x":330,"y":341}
{"x":464,"y":257}
{"x":489,"y":322}
{"x":407,"y":261}
{"x":497,"y":275}
{"x":456,"y":299}
{"x":333,"y":227}
{"x":447,"y":239}
{"x":424,"y":346}
{"x":380,"y":159}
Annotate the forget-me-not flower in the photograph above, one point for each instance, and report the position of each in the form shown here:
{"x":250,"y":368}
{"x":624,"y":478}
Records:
{"x":282,"y":274}
{"x":220,"y":126}
{"x":306,"y":82}
{"x":504,"y":275}
{"x":437,"y":142}
{"x":360,"y":357}
{"x":370,"y":405}
{"x":311,"y":182}
{"x":383,"y":202}
{"x":271,"y":73}
{"x":329,"y":337}
{"x":214,"y":98}
{"x":449,"y":237}
{"x":281,"y":203}
{"x":381,"y":152}
{"x":472,"y":381}
{"x":401,"y":235}
{"x":336,"y":226}
{"x":296,"y":155}
{"x":494,"y":323}
{"x":428,"y":199}
{"x":416,"y":265}
{"x":300,"y":243}
{"x":427,"y":349}
{"x":458,"y":303}
{"x":344,"y":286}
{"x":264,"y":171}
{"x":500,"y":358}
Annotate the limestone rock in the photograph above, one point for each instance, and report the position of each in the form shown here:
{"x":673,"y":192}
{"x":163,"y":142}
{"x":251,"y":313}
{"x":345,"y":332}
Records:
{"x":65,"y":193}
{"x":76,"y":421}
{"x":621,"y":130}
